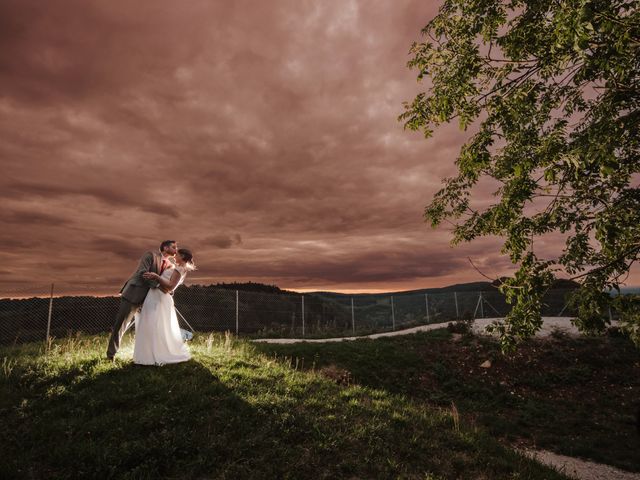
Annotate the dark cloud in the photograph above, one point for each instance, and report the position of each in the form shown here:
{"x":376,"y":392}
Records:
{"x":122,"y":247}
{"x":221,"y":241}
{"x":110,"y":197}
{"x":74,"y":50}
{"x":262,"y":135}
{"x":375,"y":267}
{"x":31,"y":218}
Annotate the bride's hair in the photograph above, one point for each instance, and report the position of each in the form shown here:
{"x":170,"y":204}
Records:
{"x":187,"y":256}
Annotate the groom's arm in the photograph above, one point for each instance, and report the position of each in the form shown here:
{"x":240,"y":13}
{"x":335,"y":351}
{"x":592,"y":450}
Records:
{"x":172,"y":282}
{"x":145,"y":265}
{"x":166,"y":285}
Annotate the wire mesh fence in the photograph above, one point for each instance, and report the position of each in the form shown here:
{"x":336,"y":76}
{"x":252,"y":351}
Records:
{"x":37,"y":312}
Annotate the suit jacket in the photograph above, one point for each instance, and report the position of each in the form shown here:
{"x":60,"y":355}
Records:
{"x":136,"y":288}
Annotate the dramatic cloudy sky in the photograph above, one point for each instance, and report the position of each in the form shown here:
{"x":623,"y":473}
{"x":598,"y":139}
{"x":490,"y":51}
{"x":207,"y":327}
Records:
{"x":262,"y":135}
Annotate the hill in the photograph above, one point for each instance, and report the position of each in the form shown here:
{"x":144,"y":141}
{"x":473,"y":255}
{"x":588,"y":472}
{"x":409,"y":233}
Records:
{"x":458,"y":287}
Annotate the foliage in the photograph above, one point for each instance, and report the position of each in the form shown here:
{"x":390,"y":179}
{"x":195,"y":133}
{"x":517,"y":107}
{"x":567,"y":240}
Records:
{"x":461,"y":327}
{"x":551,"y":90}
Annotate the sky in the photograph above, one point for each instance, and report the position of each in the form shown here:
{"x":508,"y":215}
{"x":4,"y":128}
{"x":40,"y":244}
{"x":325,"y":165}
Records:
{"x":261,"y":135}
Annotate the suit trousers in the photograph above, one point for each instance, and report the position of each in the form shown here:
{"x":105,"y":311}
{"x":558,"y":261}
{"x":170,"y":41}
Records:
{"x":124,"y":320}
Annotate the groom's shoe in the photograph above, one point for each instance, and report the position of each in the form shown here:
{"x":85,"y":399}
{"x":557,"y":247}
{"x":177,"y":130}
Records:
{"x":111,"y":359}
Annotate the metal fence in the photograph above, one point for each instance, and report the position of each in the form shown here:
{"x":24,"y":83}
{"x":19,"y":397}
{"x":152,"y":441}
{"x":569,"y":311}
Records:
{"x":35,"y":313}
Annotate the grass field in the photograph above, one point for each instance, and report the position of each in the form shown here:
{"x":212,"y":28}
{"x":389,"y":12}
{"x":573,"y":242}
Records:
{"x":238,"y":411}
{"x":573,"y":396}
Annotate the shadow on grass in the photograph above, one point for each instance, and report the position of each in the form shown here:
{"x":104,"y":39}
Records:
{"x":129,"y":419}
{"x":226,"y":414}
{"x":573,"y":396}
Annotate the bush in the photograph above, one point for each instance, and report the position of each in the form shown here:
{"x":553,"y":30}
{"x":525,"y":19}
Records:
{"x":461,"y":326}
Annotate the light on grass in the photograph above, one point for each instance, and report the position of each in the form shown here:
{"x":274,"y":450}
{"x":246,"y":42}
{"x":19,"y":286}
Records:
{"x":7,"y":366}
{"x":55,"y":391}
{"x":228,"y":340}
{"x":126,"y":350}
{"x":73,"y":346}
{"x":455,"y":415}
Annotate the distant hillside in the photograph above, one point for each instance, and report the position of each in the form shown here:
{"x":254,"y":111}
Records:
{"x":245,"y":287}
{"x":459,"y":287}
{"x":560,"y":284}
{"x":261,"y":287}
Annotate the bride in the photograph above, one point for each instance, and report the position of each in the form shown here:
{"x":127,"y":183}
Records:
{"x":158,"y":338}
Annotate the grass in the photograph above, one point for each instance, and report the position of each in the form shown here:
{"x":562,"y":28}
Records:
{"x":574,"y":396}
{"x":232,"y":412}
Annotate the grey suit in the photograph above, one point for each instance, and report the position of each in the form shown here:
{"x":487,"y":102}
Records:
{"x":132,"y":295}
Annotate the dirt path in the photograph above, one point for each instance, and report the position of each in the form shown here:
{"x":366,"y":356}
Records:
{"x":572,"y":467}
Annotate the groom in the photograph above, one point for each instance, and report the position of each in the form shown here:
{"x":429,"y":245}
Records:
{"x":135,"y":290}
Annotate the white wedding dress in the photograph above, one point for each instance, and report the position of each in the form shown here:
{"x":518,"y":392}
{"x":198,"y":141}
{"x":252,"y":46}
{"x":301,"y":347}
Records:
{"x":158,"y":338}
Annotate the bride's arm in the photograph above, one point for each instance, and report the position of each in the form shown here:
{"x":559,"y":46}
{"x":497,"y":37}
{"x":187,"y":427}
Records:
{"x":166,"y":285}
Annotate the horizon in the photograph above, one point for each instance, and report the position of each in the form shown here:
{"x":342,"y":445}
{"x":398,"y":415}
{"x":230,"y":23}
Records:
{"x":70,"y":291}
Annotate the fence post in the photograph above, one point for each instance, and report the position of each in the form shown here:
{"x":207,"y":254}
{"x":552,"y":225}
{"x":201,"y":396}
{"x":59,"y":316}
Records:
{"x":303,"y":316}
{"x":481,"y":306}
{"x":353,"y":318}
{"x":610,"y":316}
{"x":237,"y":314}
{"x":455,"y":297}
{"x":393,"y":313}
{"x":49,"y":317}
{"x":426,"y":303}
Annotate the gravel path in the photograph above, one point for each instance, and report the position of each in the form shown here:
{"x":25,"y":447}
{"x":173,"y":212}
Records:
{"x":572,"y":467}
{"x":580,"y":469}
{"x":479,"y":325}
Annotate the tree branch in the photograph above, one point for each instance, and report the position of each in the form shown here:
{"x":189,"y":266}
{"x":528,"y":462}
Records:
{"x":478,"y":270}
{"x":631,"y":251}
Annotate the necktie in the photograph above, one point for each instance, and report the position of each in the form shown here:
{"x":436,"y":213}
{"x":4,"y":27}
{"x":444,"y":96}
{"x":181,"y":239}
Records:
{"x":164,"y":265}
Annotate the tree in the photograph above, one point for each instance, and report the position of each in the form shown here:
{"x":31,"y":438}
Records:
{"x":550,"y":91}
